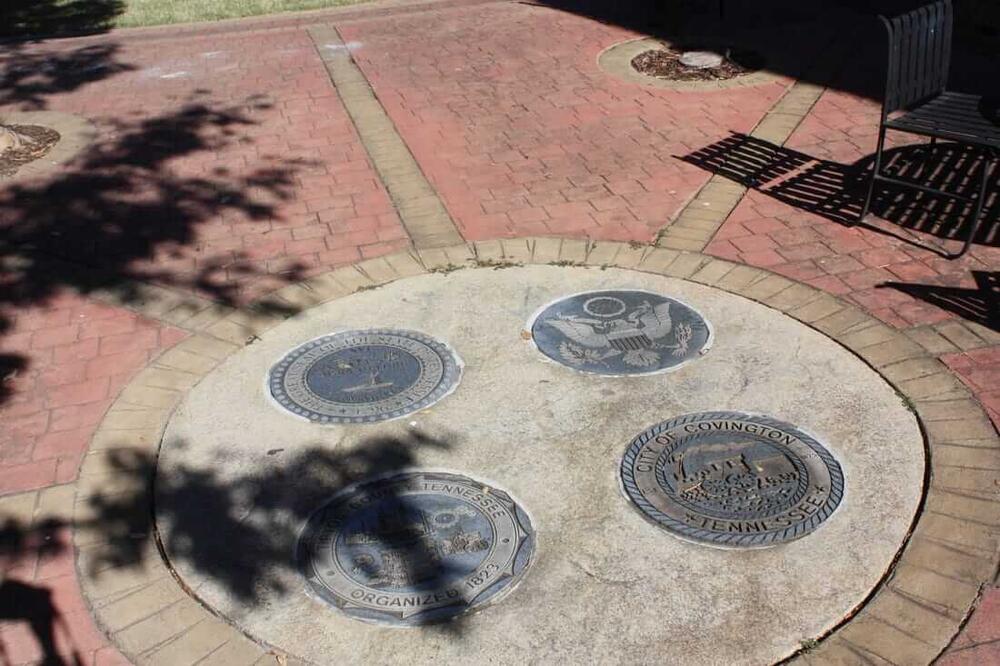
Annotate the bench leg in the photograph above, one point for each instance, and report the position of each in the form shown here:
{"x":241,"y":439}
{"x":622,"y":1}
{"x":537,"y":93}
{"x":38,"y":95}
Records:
{"x":875,"y":173}
{"x":977,"y":218}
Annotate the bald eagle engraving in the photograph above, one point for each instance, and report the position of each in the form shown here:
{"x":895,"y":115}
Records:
{"x":638,"y":329}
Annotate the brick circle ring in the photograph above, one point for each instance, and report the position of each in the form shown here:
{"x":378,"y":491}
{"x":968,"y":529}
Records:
{"x":364,"y":376}
{"x":415,"y":548}
{"x":732,"y":480}
{"x":922,"y":573}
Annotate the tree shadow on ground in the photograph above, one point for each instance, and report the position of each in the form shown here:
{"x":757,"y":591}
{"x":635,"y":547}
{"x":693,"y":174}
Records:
{"x":836,"y":191}
{"x":33,"y":604}
{"x":58,"y":17}
{"x":121,"y":212}
{"x":237,"y":530}
{"x":28,"y":77}
{"x":251,"y":551}
{"x":795,"y":38}
{"x":122,"y":201}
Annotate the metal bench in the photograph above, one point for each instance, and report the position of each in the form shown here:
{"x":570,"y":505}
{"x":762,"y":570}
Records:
{"x":916,"y":82}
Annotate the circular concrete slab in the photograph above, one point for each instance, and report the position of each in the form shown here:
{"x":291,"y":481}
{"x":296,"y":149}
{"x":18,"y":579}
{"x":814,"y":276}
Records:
{"x":237,"y":481}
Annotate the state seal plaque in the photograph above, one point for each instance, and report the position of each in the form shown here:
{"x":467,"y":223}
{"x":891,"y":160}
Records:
{"x":730,"y":479}
{"x":364,"y":376}
{"x":624,"y":332}
{"x":415,"y":548}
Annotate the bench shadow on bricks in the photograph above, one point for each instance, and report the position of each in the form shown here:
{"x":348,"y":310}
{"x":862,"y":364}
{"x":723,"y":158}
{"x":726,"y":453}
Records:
{"x":248,"y":546}
{"x":836,"y":191}
{"x":980,"y":304}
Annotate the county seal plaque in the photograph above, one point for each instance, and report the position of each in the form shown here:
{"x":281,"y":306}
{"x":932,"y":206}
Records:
{"x":731,"y":479}
{"x":624,"y":332}
{"x":364,"y":376}
{"x":415,"y":548}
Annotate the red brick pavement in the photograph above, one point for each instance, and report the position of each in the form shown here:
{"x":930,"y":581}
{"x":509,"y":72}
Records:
{"x":979,"y":642}
{"x":184,"y":124}
{"x":859,"y":263}
{"x":505,"y":110}
{"x":980,"y":370}
{"x":521,"y":133}
{"x":224,"y":163}
{"x":76,"y":355}
{"x":47,"y":570}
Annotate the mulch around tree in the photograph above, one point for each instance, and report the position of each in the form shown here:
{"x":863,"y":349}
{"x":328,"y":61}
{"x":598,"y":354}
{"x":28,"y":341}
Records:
{"x":43,"y":139}
{"x":665,"y":63}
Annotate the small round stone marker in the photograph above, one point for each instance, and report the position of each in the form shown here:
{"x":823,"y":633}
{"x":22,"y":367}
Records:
{"x":415,"y":548}
{"x":621,"y":332}
{"x":731,"y":479}
{"x":701,"y":59}
{"x":364,"y":376}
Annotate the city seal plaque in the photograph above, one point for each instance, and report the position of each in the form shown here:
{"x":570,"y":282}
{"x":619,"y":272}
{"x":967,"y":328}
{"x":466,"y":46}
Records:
{"x":415,"y":548}
{"x":364,"y":376}
{"x":625,"y":332}
{"x":732,"y":480}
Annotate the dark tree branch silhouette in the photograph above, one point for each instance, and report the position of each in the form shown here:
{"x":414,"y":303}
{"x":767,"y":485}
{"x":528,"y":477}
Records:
{"x":240,"y":531}
{"x":120,"y":212}
{"x":57,"y":17}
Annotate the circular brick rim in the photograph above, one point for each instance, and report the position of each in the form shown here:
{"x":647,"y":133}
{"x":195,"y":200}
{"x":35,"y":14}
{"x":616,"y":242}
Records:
{"x":927,"y":592}
{"x":75,"y":134}
{"x":617,"y":61}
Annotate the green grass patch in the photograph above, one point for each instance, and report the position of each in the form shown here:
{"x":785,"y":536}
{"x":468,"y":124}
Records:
{"x":52,"y":17}
{"x":158,"y":12}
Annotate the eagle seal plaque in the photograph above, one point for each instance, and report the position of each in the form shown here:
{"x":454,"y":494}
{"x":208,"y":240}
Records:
{"x":730,"y":479}
{"x":415,"y":548}
{"x":364,"y":376}
{"x":625,"y":332}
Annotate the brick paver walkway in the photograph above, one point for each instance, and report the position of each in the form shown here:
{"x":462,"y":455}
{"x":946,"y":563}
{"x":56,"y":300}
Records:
{"x":526,"y":135}
{"x":233,"y":150}
{"x":226,"y":166}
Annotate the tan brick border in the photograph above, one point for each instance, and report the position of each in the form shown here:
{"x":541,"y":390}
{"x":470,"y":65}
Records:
{"x":702,"y":217}
{"x":909,"y":619}
{"x":617,"y":61}
{"x":75,"y":134}
{"x":420,"y":209}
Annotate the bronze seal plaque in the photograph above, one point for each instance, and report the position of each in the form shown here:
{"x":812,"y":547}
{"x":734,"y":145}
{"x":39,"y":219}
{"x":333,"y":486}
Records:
{"x":364,"y":376}
{"x":730,"y":479}
{"x":415,"y":548}
{"x":622,"y":332}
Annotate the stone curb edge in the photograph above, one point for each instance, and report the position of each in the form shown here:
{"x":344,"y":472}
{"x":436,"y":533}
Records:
{"x":421,"y":211}
{"x":909,"y":618}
